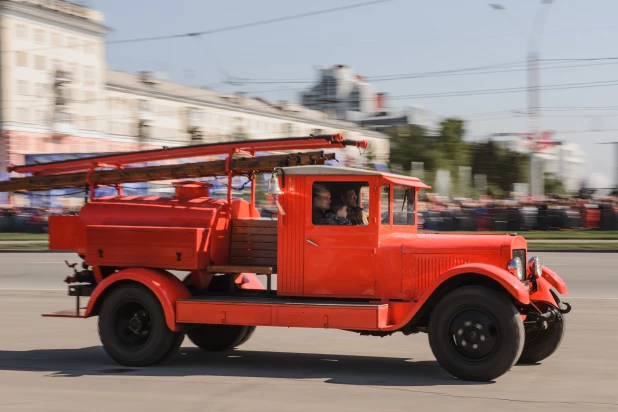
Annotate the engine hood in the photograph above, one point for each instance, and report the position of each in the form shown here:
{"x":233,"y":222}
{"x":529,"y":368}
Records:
{"x":462,"y":244}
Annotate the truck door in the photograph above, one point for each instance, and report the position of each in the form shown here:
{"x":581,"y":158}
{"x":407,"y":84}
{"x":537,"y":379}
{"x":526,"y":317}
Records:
{"x":339,"y":256}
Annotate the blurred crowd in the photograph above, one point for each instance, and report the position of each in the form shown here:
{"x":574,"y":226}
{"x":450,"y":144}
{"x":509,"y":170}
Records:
{"x":513,"y":215}
{"x":435,"y":214}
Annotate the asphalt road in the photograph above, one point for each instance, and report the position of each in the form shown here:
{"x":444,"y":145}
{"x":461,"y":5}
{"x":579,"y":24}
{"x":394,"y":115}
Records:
{"x":49,"y":364}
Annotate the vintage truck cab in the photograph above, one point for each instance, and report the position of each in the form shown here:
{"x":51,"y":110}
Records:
{"x":344,"y":248}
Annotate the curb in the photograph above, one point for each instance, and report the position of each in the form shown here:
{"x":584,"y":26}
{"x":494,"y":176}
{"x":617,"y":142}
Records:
{"x":35,"y":251}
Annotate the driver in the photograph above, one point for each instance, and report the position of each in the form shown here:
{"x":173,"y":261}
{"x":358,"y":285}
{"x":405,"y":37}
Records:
{"x":321,"y":204}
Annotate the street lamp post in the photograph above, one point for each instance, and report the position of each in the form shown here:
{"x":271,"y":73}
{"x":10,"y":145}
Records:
{"x":533,"y":41}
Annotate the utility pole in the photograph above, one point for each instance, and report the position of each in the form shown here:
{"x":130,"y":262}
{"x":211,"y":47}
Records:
{"x":616,"y":165}
{"x":534,"y":124}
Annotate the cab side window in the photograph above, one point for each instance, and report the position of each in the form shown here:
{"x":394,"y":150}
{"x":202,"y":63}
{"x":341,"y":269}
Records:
{"x":340,"y":203}
{"x":385,"y":200}
{"x":403,"y":205}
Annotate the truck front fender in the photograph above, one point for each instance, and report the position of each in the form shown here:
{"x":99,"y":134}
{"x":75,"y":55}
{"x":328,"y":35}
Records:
{"x":501,"y":276}
{"x":165,"y":286}
{"x":509,"y":282}
{"x":554,"y":280}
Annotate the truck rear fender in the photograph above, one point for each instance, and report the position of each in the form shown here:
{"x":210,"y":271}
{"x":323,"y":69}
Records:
{"x":165,"y":286}
{"x":468,"y":274}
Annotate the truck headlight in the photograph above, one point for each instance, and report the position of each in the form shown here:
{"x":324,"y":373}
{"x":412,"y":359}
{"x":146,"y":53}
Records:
{"x":535,"y":268}
{"x":516,"y":267}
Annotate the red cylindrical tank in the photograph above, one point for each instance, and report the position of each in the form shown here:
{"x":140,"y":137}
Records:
{"x":187,"y":209}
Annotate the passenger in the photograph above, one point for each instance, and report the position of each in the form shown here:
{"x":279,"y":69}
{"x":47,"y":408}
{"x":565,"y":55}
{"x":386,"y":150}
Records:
{"x":355,"y":213}
{"x":338,"y":215}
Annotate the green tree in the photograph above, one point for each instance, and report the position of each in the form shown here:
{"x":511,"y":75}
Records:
{"x":553,"y":186}
{"x":408,"y":144}
{"x":502,"y":167}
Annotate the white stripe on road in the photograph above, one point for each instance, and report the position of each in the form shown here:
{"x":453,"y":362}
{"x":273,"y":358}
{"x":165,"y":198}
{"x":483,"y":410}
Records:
{"x":31,"y":290}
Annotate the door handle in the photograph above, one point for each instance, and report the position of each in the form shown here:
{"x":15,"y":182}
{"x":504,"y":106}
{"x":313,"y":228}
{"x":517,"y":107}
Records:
{"x":311,"y":243}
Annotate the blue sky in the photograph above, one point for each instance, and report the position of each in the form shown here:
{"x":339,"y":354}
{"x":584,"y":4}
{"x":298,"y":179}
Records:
{"x":399,"y":36}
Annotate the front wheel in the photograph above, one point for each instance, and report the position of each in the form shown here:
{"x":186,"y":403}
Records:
{"x":133,"y":330}
{"x":541,"y":344}
{"x":476,"y":333}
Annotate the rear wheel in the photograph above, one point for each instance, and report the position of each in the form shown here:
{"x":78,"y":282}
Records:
{"x":541,"y":344}
{"x":133,"y":330}
{"x":476,"y":333}
{"x":219,"y":337}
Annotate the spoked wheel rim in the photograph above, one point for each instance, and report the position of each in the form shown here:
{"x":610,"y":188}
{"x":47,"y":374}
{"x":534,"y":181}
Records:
{"x":132,"y":325}
{"x":473,"y":335}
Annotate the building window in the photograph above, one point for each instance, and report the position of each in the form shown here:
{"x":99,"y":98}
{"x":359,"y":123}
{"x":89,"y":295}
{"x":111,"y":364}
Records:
{"x":90,"y":123}
{"x":56,"y":39}
{"x":22,"y":114}
{"x":39,"y":36}
{"x":21,"y":31}
{"x":39,"y":63}
{"x":74,"y":70}
{"x":72,"y":42}
{"x":89,"y":75}
{"x":354,"y":103}
{"x":90,"y":47}
{"x":40,"y":89}
{"x":21,"y":59}
{"x":143,"y":105}
{"x":40,"y":117}
{"x":22,"y":87}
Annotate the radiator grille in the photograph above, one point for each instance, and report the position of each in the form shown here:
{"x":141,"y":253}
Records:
{"x":429,"y":268}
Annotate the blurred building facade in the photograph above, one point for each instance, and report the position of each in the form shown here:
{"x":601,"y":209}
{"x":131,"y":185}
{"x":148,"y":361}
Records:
{"x":565,"y":162}
{"x":560,"y":160}
{"x":57,"y":96}
{"x":342,"y":94}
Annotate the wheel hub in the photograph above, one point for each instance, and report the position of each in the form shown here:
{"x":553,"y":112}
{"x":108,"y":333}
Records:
{"x":138,"y":323}
{"x":473,"y":334}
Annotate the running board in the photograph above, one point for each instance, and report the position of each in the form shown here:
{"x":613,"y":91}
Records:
{"x":257,"y":311}
{"x":78,"y":291}
{"x":66,"y":314}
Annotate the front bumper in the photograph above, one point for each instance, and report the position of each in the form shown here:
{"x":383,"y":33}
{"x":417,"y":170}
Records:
{"x":539,"y":314}
{"x":545,"y":305}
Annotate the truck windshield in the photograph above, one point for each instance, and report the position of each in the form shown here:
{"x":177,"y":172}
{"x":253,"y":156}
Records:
{"x":403,"y":205}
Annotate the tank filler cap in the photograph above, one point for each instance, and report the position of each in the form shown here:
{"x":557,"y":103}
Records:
{"x":191,"y":189}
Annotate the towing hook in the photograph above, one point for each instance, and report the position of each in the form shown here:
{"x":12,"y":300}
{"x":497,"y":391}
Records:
{"x":567,"y":310}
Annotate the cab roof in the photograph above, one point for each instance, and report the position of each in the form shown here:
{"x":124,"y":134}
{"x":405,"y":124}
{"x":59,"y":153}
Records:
{"x":324,"y":170}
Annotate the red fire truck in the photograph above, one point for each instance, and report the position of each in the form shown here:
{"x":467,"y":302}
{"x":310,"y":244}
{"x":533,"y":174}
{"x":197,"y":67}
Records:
{"x":343,"y":245}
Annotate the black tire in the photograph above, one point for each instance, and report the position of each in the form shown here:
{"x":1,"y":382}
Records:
{"x":132,"y":327}
{"x":178,"y":339}
{"x":217,"y":337}
{"x":250,"y":331}
{"x":217,"y":284}
{"x":541,"y":344}
{"x":476,"y":333}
